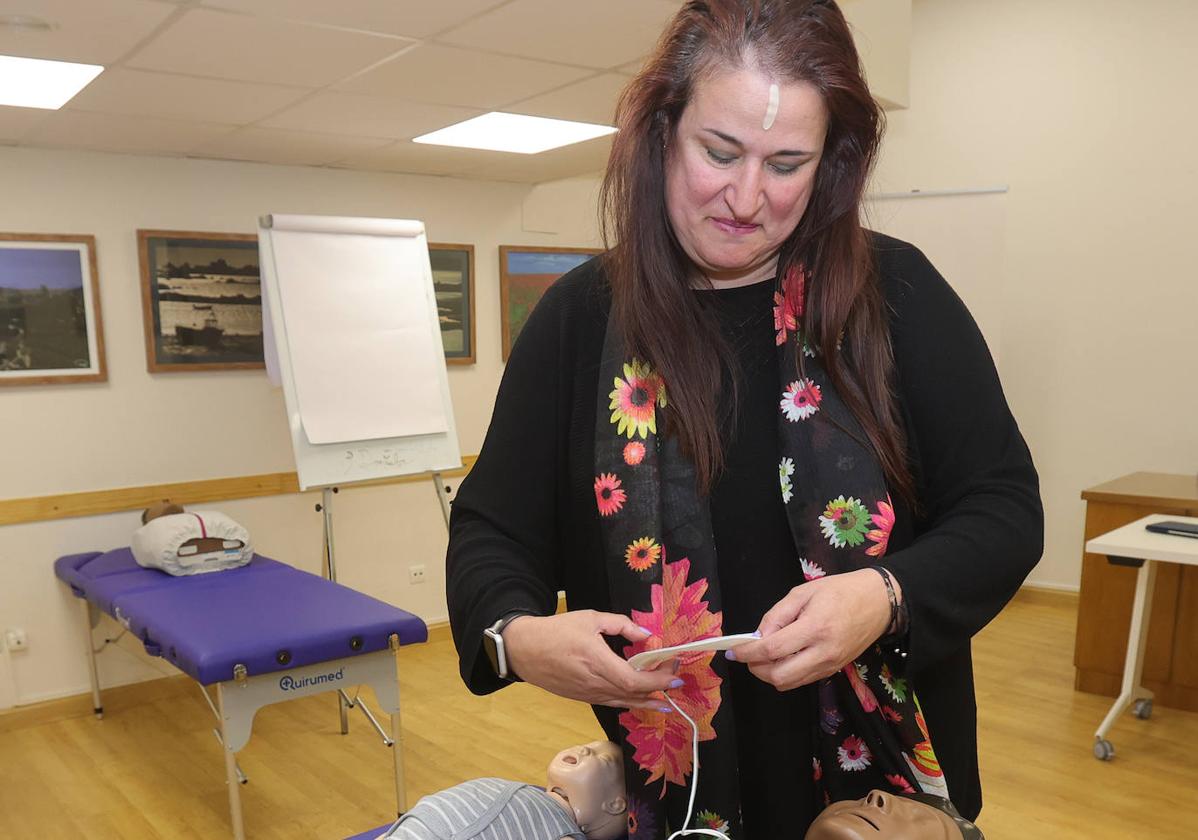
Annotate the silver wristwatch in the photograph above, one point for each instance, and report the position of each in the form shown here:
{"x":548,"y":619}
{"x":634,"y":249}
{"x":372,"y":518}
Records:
{"x":493,"y":644}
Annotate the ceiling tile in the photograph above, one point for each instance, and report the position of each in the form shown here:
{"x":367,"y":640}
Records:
{"x":338,"y":112}
{"x":15,"y":123}
{"x":137,"y":135}
{"x":449,"y":76}
{"x":416,"y":20}
{"x":565,"y":162}
{"x":601,"y":34}
{"x":225,"y":45}
{"x":423,"y":159}
{"x":88,"y":31}
{"x":270,"y":145}
{"x":591,"y":100}
{"x":169,"y":96}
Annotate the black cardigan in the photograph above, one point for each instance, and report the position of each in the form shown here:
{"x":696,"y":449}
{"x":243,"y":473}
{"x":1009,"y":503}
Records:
{"x":525,"y":524}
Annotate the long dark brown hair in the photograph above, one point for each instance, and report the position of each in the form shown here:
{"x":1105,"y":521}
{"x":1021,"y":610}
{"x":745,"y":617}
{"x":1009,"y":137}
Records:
{"x":650,"y":275}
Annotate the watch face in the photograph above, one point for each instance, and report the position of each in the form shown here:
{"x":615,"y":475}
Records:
{"x":491,"y":642}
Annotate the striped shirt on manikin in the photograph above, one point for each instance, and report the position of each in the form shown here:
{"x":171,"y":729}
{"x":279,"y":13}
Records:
{"x":487,"y":809}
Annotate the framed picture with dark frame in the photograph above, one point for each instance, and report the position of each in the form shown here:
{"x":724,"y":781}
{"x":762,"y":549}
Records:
{"x":50,"y":327}
{"x":453,"y":282}
{"x":201,"y":298}
{"x":525,"y":273}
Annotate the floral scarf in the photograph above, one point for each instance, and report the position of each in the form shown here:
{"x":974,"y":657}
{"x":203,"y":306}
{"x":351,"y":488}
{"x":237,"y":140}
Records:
{"x":662,"y":571}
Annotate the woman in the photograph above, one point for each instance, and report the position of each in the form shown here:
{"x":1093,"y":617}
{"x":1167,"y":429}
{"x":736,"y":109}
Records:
{"x":750,"y":414}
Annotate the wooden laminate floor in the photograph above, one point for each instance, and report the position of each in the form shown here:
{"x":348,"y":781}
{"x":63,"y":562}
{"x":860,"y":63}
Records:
{"x":152,"y":769}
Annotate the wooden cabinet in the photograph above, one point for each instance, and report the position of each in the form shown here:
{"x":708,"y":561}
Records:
{"x":1104,"y":610}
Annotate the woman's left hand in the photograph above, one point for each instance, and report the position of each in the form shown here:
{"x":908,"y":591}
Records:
{"x":817,"y":629}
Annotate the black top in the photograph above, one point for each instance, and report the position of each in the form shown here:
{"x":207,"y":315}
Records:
{"x":525,"y":524}
{"x":758,"y":565}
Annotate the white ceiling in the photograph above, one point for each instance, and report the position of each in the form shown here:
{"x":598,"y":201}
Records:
{"x":343,"y":83}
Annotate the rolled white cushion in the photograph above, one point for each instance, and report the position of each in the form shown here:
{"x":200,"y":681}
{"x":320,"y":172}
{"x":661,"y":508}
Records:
{"x":156,"y":544}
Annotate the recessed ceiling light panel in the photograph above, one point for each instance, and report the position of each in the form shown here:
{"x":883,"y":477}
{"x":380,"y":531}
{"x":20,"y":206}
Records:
{"x":500,"y":132}
{"x":37,"y":83}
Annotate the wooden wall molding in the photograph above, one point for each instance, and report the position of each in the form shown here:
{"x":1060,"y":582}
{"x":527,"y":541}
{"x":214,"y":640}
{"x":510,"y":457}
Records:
{"x":100,"y":502}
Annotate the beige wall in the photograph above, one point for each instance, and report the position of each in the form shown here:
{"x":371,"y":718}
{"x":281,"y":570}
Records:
{"x":134,"y":429}
{"x":1085,"y":109}
{"x":882,"y":29}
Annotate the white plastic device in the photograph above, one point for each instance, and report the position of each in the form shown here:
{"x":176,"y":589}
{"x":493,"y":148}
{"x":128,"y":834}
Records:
{"x":649,"y":658}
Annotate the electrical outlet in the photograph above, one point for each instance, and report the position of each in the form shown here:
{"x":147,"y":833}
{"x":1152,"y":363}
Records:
{"x":15,"y":639}
{"x":415,"y":574}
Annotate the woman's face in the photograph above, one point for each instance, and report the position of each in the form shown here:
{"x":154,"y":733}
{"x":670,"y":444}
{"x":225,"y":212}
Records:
{"x":735,"y":190}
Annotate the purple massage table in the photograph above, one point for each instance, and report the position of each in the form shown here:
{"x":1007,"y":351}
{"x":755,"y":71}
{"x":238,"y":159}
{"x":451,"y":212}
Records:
{"x":263,"y":633}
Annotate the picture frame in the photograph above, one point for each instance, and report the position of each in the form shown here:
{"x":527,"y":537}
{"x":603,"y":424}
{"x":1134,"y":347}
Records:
{"x":51,"y":331}
{"x":525,"y":273}
{"x":453,"y":283}
{"x":201,"y":296}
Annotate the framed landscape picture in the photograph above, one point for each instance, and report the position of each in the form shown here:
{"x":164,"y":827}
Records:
{"x":453,"y":282}
{"x":525,"y":272}
{"x":201,"y":300}
{"x":50,"y":330}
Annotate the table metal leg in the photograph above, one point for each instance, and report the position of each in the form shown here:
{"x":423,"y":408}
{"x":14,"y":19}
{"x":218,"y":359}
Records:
{"x":231,"y":781}
{"x":92,"y":672}
{"x":401,"y":796}
{"x":358,"y":703}
{"x":241,"y":777}
{"x":1133,"y":666}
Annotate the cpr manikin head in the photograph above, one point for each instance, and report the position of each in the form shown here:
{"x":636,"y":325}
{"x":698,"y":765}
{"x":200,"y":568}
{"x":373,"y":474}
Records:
{"x":195,"y":545}
{"x":887,"y":816}
{"x":164,"y":508}
{"x":589,"y":781}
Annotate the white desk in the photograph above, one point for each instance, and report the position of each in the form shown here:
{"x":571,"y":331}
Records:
{"x":1134,"y":545}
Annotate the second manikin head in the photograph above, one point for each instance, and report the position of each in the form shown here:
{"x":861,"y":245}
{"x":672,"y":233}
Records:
{"x":888,"y":816}
{"x":589,"y":781}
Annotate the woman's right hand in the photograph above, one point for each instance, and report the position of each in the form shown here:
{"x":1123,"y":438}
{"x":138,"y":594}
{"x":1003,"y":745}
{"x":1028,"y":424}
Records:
{"x":566,"y":654}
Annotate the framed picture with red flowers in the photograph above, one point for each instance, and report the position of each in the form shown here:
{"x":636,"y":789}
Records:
{"x":525,"y":272}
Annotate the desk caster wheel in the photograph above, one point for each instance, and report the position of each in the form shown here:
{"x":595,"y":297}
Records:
{"x":1142,"y":709}
{"x":1104,"y":750}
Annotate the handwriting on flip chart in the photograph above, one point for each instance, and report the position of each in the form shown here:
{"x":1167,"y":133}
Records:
{"x":364,"y":458}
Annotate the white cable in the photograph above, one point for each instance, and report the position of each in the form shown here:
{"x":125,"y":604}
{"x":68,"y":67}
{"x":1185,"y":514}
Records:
{"x":690,"y":808}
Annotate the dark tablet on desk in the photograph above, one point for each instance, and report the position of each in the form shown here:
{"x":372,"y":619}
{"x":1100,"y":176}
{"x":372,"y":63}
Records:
{"x":1177,"y":529}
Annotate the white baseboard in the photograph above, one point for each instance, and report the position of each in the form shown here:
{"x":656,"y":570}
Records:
{"x":85,"y":688}
{"x":57,"y":694}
